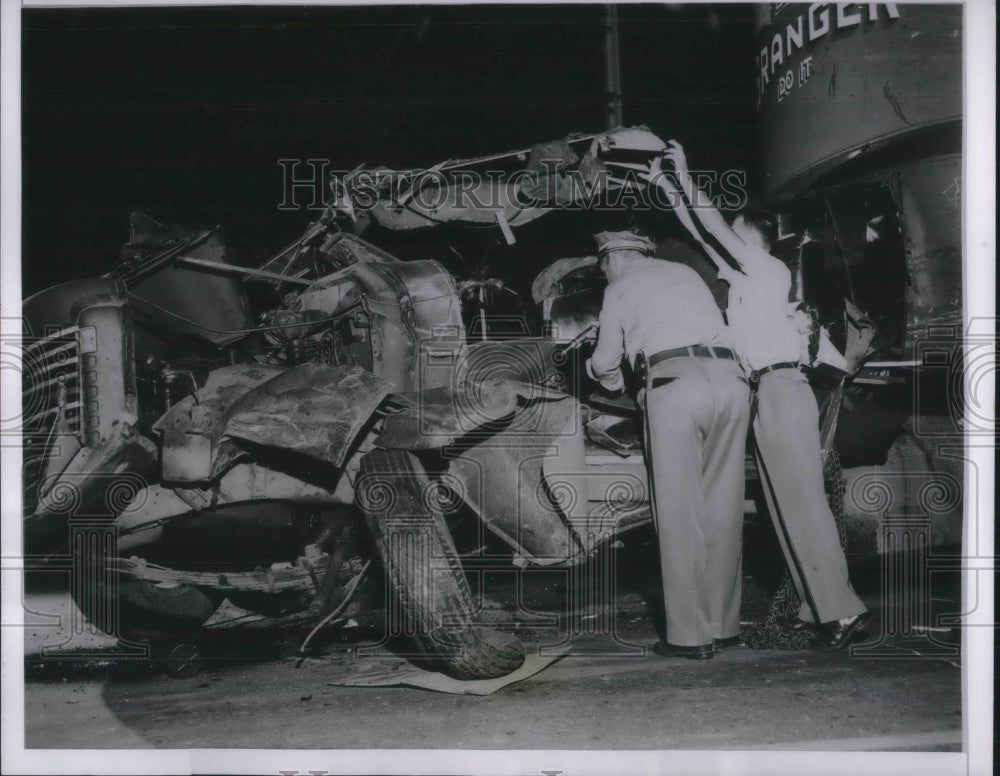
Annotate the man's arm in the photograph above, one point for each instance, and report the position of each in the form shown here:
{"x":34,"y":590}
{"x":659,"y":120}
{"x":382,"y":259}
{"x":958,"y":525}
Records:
{"x":604,"y":365}
{"x":681,"y":211}
{"x":747,"y":256}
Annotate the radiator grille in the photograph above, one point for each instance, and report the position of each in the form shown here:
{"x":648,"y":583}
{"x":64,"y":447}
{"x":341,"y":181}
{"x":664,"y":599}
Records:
{"x":51,"y":400}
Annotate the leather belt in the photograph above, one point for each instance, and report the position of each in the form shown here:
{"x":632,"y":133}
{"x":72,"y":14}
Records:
{"x":759,"y":373}
{"x":691,"y":351}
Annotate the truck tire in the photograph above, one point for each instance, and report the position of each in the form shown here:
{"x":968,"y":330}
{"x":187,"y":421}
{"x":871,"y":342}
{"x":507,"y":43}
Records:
{"x":146,"y":604}
{"x":424,"y":570}
{"x":137,"y":608}
{"x":133,"y":607}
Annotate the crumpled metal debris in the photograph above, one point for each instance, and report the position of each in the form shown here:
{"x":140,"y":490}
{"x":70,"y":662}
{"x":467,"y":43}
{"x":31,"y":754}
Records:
{"x":437,"y":417}
{"x":193,"y":448}
{"x":559,"y":174}
{"x":316,"y":410}
{"x":546,"y":280}
{"x":501,"y":479}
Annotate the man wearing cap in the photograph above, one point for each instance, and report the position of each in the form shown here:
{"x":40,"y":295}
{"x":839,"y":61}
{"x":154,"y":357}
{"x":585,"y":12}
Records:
{"x":661,"y":316}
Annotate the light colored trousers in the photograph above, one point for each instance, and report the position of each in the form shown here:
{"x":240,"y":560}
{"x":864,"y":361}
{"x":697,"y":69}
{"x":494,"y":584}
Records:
{"x":696,"y":428}
{"x":787,"y":446}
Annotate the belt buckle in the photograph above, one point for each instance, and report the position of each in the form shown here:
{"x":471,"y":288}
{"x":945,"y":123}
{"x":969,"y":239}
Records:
{"x":640,"y":369}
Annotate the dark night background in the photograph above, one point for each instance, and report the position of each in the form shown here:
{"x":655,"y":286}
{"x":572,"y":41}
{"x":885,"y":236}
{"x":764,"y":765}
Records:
{"x":183,"y":113}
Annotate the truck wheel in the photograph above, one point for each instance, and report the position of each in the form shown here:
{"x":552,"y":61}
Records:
{"x":126,"y":607}
{"x":424,"y":571}
{"x":138,"y":607}
{"x":146,"y":604}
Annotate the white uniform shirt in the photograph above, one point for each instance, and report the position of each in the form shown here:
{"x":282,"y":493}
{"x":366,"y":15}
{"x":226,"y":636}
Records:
{"x":759,"y":326}
{"x":655,"y":305}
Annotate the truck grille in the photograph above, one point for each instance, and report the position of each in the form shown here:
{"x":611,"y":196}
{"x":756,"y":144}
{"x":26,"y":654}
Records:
{"x":51,"y":400}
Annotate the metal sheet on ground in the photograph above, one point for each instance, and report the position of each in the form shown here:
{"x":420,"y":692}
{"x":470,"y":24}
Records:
{"x":407,"y":675}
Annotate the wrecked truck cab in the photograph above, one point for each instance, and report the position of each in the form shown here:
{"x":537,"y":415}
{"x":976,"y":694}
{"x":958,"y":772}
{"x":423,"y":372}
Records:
{"x":268,"y":449}
{"x":355,"y":418}
{"x":257,"y":476}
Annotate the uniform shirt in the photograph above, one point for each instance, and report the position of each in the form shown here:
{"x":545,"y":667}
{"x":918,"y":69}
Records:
{"x":759,"y":326}
{"x":655,"y":305}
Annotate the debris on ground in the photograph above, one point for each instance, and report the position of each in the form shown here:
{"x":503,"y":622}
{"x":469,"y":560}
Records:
{"x":402,"y":674}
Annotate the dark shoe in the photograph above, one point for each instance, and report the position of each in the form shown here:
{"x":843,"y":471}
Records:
{"x":665,"y":649}
{"x":837,"y":635}
{"x":731,"y":641}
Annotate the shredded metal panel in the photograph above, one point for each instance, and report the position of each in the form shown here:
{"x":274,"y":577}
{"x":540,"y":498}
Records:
{"x":314,"y":409}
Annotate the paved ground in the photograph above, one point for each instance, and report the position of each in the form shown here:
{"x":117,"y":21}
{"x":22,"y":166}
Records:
{"x":745,"y":699}
{"x":901,"y":694}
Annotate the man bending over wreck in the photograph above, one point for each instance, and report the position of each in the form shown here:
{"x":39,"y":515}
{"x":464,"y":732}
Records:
{"x":662,"y":317}
{"x":786,"y":422}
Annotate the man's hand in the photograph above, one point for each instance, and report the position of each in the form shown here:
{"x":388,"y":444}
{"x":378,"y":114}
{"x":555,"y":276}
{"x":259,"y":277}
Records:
{"x":656,"y":177}
{"x":655,"y":171}
{"x":612,"y":382}
{"x":801,"y":320}
{"x":708,"y":214}
{"x":675,"y":153}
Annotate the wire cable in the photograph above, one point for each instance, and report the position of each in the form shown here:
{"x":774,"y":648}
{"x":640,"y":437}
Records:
{"x":351,"y":587}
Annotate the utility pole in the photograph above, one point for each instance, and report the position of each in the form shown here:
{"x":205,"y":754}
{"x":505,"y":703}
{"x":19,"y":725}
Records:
{"x":612,"y":61}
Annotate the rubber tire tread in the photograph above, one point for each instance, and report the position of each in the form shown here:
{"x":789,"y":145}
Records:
{"x":412,"y":539}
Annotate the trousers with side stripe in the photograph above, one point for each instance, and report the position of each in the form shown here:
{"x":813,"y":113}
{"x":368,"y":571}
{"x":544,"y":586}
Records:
{"x":696,"y":426}
{"x":787,"y":447}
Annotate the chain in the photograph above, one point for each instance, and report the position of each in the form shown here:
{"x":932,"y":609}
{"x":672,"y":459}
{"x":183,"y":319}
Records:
{"x":775,"y":631}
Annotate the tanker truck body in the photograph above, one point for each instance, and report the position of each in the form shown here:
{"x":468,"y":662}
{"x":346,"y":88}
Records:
{"x":860,"y":125}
